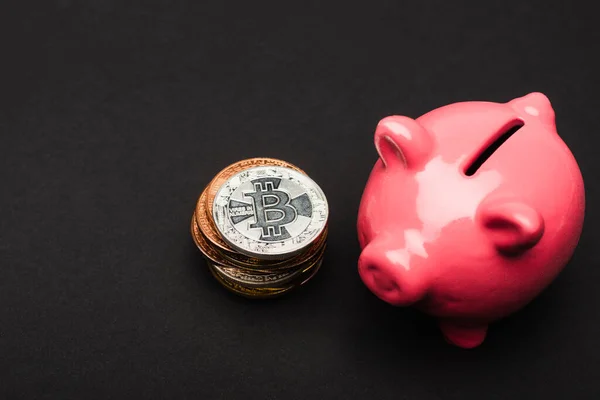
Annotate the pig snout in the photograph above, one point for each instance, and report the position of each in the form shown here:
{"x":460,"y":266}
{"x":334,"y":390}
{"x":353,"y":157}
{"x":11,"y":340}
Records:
{"x":388,"y":274}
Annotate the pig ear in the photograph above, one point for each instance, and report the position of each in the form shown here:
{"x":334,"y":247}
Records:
{"x":537,"y":105}
{"x":402,"y":140}
{"x":512,"y":225}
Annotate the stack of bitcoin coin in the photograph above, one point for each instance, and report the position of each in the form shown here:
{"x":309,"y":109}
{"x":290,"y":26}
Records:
{"x":261,"y":224}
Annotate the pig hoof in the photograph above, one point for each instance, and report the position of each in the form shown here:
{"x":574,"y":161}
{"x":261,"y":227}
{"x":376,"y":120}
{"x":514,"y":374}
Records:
{"x":465,"y":336}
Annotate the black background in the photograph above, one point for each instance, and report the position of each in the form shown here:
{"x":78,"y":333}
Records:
{"x":115,"y":114}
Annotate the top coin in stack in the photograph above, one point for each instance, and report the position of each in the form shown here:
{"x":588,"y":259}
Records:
{"x":270,"y":212}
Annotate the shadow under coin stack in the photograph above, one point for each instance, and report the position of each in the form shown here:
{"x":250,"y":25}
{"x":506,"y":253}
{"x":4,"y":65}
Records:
{"x":261,"y":224}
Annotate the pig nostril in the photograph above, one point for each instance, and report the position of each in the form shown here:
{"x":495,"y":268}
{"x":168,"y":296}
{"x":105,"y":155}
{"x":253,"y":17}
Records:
{"x":385,"y":284}
{"x":381,"y":280}
{"x":378,"y":278}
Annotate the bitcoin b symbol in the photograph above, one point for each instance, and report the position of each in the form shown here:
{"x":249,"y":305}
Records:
{"x":272,"y":209}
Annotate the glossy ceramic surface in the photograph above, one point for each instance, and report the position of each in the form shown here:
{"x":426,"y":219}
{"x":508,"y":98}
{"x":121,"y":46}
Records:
{"x":467,"y":231}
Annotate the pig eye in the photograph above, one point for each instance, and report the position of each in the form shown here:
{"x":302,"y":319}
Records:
{"x":501,"y":137}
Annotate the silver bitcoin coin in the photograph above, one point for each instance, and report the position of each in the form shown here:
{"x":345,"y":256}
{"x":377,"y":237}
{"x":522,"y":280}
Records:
{"x":270,"y":212}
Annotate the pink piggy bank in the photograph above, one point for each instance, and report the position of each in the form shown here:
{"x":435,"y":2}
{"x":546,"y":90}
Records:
{"x":470,"y":212}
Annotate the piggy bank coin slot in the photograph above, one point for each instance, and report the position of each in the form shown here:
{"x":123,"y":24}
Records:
{"x":487,"y":152}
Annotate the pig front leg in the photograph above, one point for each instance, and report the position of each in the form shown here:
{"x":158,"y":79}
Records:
{"x":463,"y":334}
